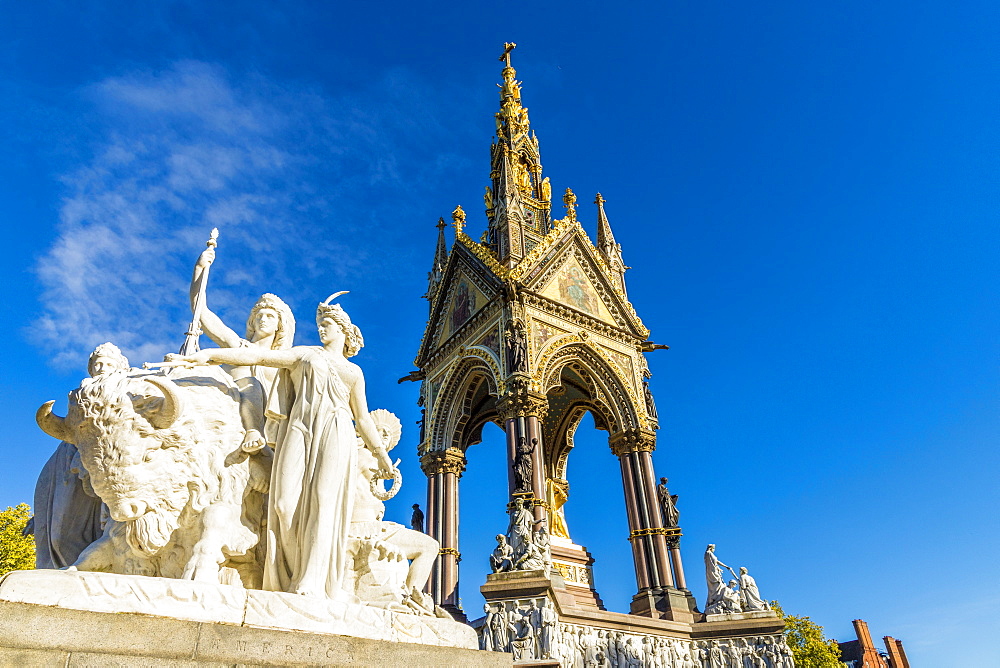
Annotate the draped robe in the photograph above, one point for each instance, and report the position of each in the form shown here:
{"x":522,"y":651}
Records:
{"x":312,"y":485}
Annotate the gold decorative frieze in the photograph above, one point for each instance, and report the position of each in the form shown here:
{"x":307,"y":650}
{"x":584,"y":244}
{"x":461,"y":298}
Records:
{"x":574,"y":573}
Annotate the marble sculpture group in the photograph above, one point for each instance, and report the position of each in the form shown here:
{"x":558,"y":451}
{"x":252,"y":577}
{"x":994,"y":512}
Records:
{"x":256,"y":464}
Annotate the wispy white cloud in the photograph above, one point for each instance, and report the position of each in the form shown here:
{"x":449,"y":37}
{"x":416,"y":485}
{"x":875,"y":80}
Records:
{"x":290,"y":176}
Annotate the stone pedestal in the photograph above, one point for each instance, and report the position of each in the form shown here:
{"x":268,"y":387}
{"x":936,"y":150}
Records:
{"x":574,"y":563}
{"x":64,"y":618}
{"x":674,"y":604}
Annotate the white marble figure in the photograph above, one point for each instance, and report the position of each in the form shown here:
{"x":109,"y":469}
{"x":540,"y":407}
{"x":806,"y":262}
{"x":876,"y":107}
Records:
{"x":529,"y":549}
{"x":391,"y":562}
{"x":715,"y":657}
{"x":716,"y":584}
{"x":496,"y":627}
{"x":531,"y":559}
{"x":731,"y":598}
{"x":543,"y":542}
{"x":312,"y":494}
{"x":270,"y":326}
{"x":67,"y":510}
{"x":749,"y":594}
{"x":486,"y":640}
{"x":502,"y":558}
{"x":548,"y":623}
{"x":520,"y":533}
{"x":159,"y":452}
{"x":522,"y":637}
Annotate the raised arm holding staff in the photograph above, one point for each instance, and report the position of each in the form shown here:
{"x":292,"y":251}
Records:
{"x":198,"y":284}
{"x":270,"y":326}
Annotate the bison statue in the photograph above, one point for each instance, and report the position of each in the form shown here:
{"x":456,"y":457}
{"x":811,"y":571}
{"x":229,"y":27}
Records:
{"x":163,"y":453}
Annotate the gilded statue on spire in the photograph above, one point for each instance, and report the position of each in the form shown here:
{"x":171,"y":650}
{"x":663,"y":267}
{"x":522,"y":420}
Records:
{"x":569,"y":199}
{"x":546,"y":190}
{"x":512,"y":116}
{"x":458,"y":218}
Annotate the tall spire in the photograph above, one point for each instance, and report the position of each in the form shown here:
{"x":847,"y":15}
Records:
{"x":518,"y":204}
{"x":436,"y":273}
{"x":610,"y":250}
{"x":605,"y":239}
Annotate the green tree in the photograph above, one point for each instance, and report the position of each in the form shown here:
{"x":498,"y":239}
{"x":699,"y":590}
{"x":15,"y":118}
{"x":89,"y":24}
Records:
{"x":17,"y":551}
{"x":805,"y":638}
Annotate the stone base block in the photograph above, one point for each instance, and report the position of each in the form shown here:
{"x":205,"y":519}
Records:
{"x":674,"y":604}
{"x":66,"y":618}
{"x":37,"y":635}
{"x":201,"y":602}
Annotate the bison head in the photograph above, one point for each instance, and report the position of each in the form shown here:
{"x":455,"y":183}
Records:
{"x":137,"y":460}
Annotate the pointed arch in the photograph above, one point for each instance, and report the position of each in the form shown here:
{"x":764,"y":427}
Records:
{"x":466,"y":400}
{"x":609,"y":397}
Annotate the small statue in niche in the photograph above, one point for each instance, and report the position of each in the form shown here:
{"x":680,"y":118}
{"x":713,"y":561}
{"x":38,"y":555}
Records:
{"x":488,"y":198}
{"x":517,"y":349}
{"x":668,"y":504}
{"x":648,"y":396}
{"x":502,"y":558}
{"x":522,"y":464}
{"x":546,"y":190}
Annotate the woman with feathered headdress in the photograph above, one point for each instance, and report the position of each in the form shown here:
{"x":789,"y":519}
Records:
{"x":312,"y":482}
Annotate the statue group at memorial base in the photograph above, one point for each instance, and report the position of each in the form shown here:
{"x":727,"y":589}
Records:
{"x":530,"y":628}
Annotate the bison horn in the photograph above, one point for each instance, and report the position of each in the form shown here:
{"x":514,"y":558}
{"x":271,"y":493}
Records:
{"x":50,"y":423}
{"x":172,"y":403}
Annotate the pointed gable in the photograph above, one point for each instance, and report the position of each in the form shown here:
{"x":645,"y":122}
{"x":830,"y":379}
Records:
{"x":464,"y":300}
{"x":467,"y":286}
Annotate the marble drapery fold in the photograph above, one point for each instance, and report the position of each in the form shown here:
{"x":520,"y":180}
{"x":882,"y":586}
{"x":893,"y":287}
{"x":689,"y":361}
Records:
{"x":311,"y":493}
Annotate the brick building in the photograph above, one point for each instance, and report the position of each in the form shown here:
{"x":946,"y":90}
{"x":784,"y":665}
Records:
{"x":862,"y":653}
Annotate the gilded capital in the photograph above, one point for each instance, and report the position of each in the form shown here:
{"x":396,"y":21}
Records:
{"x":632,"y":440}
{"x":520,"y":401}
{"x":451,"y":460}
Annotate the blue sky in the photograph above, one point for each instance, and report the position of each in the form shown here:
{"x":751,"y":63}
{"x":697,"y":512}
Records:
{"x":806,"y":194}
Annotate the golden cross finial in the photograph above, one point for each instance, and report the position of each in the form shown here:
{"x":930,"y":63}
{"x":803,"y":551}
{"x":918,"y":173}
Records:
{"x":440,"y":224}
{"x":600,"y":200}
{"x":505,"y":56}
